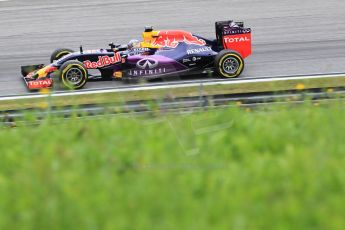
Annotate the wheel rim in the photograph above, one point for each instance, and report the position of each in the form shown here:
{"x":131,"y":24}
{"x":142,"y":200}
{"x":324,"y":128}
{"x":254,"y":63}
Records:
{"x":74,"y":76}
{"x":231,"y":65}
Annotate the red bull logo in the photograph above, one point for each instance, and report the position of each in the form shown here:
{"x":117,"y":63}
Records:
{"x":172,"y":38}
{"x":103,"y":61}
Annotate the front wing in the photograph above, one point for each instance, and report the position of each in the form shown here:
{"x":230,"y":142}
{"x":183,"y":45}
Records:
{"x":34,"y":84}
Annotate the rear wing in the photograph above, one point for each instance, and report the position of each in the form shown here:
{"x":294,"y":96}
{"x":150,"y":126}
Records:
{"x":234,"y":36}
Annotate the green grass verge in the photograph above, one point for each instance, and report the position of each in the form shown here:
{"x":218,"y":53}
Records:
{"x":281,"y":168}
{"x":120,"y":97}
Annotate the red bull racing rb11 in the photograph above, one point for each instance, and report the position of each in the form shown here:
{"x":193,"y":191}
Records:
{"x":160,"y":54}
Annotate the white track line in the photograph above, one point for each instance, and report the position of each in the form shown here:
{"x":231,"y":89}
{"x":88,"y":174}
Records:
{"x":143,"y":88}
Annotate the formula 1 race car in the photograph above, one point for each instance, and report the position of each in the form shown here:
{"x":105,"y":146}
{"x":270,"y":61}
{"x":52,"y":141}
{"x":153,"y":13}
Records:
{"x":160,"y":54}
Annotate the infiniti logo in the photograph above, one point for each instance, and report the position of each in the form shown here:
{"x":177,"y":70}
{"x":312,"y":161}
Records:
{"x":147,"y":63}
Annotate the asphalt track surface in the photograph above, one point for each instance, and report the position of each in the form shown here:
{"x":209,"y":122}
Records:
{"x":290,"y":37}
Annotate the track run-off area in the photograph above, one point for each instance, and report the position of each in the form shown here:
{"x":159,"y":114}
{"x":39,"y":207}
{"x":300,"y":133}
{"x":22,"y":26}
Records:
{"x":289,"y":37}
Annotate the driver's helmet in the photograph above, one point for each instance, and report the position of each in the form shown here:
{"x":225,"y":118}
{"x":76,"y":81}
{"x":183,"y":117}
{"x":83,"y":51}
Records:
{"x":133,"y":44}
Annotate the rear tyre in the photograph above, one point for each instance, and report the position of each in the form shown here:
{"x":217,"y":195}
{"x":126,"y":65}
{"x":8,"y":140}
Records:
{"x":229,"y":64}
{"x":73,"y":75}
{"x":59,"y":53}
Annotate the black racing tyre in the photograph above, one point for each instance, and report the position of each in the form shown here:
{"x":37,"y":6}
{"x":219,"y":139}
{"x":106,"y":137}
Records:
{"x":229,"y":64}
{"x":73,"y":75}
{"x":59,"y":53}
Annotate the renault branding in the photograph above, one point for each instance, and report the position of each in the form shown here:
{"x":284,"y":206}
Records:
{"x":199,"y":50}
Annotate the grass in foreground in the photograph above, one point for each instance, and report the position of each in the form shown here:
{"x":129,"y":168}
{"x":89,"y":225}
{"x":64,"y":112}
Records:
{"x":222,"y":169}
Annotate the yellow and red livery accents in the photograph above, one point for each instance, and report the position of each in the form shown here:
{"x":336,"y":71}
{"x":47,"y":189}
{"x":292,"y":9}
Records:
{"x":171,"y":38}
{"x":241,"y":43}
{"x":40,"y":84}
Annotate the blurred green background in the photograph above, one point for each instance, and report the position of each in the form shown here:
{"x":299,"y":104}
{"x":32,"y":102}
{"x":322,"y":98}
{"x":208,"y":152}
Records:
{"x":271,"y":168}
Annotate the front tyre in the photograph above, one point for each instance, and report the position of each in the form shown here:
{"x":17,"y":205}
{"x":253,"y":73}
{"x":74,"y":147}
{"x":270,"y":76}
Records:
{"x":59,"y":53}
{"x":229,"y":64}
{"x":73,"y":75}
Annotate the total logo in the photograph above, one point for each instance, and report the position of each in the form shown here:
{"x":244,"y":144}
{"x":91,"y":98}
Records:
{"x":103,"y":61}
{"x":147,"y":67}
{"x":236,"y":40}
{"x":40,"y":84}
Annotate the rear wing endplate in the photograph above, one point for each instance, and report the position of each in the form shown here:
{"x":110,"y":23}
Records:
{"x":234,"y":36}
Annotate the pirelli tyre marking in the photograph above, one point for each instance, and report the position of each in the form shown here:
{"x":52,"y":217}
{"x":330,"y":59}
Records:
{"x":63,"y":53}
{"x":74,"y":75}
{"x":59,"y":53}
{"x":230,"y":65}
